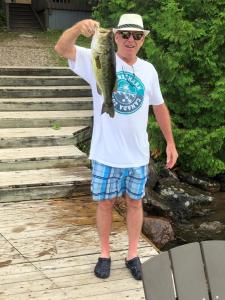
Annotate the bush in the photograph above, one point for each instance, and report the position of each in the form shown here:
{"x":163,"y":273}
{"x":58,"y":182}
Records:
{"x":2,"y":15}
{"x":187,"y":47}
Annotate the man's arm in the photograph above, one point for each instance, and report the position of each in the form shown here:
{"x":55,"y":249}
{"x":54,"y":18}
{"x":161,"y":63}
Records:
{"x":163,"y":118}
{"x":65,"y":45}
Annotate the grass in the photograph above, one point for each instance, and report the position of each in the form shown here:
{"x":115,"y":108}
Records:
{"x":50,"y":37}
{"x":6,"y":35}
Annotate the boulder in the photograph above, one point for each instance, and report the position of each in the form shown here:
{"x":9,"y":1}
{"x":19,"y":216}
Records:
{"x":212,"y":226}
{"x":153,"y":174}
{"x":183,"y":200}
{"x":205,"y":184}
{"x":164,"y":173}
{"x":158,"y":230}
{"x":154,"y":204}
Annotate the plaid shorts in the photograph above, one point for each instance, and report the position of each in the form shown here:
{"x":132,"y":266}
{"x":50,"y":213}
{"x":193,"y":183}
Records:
{"x":109,"y":182}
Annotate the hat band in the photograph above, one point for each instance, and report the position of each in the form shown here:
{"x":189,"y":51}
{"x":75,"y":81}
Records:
{"x":130,"y":25}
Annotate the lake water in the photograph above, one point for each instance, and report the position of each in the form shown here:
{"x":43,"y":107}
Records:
{"x":208,"y":227}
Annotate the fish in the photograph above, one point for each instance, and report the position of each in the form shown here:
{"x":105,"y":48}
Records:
{"x":104,"y":66}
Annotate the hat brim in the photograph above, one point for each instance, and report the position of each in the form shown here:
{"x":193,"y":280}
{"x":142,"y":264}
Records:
{"x":146,"y":32}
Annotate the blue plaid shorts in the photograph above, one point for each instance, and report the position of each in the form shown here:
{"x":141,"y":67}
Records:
{"x":109,"y":182}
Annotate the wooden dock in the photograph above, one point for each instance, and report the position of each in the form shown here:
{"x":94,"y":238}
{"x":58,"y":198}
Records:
{"x":48,"y":250}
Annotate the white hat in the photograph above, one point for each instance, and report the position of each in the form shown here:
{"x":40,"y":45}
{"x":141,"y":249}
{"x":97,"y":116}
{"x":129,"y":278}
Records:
{"x":131,"y":22}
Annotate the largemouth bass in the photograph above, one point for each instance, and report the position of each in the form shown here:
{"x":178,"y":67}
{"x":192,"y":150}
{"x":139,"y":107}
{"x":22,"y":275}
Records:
{"x":104,"y":66}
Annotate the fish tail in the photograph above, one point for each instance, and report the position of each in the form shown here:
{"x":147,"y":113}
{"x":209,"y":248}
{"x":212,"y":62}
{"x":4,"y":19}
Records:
{"x":109,"y":109}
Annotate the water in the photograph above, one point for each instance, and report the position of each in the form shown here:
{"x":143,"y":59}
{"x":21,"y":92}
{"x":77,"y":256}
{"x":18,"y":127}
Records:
{"x":219,"y":213}
{"x":208,"y":227}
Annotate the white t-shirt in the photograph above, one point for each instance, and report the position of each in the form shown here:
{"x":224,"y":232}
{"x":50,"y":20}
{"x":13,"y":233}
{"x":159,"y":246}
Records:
{"x":121,"y":141}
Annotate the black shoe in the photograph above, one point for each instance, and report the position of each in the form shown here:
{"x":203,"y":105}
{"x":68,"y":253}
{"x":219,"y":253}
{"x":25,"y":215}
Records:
{"x":134,"y":265}
{"x":102,"y":268}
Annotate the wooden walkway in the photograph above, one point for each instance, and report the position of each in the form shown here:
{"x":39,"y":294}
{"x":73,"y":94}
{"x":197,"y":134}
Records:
{"x":48,"y":250}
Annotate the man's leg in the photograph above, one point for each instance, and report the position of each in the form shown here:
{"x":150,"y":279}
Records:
{"x":134,"y":225}
{"x":104,"y":225}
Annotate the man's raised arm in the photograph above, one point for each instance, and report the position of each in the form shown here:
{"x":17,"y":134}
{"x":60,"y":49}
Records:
{"x":65,"y":45}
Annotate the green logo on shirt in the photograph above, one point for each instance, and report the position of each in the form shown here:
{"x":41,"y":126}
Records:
{"x":130,"y":93}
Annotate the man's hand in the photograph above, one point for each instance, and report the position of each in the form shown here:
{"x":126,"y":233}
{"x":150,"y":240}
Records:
{"x":65,"y":45}
{"x":87,"y":27}
{"x":172,"y":155}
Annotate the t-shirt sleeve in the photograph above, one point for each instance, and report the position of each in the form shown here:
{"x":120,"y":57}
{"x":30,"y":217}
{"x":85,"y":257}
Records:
{"x":82,"y":65}
{"x":156,"y":97}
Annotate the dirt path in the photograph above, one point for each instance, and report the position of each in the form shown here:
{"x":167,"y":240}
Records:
{"x":23,"y":49}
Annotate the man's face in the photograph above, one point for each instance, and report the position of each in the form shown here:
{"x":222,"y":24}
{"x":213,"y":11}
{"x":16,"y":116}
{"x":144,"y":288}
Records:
{"x":129,"y":42}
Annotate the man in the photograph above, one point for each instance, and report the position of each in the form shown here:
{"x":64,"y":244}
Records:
{"x":119,"y":148}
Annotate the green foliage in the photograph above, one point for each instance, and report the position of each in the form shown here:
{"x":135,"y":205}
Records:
{"x":84,"y":146}
{"x":56,"y":126}
{"x":2,"y":15}
{"x":187,"y":47}
{"x":202,"y":151}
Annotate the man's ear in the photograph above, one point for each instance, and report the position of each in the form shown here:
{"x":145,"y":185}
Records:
{"x":116,"y":35}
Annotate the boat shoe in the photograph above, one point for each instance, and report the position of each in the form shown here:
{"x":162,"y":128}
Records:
{"x":134,"y":265}
{"x":102,"y":268}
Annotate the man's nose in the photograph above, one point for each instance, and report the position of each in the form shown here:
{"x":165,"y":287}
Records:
{"x":131,"y":38}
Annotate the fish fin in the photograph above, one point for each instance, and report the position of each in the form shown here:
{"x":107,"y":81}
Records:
{"x":98,"y":89}
{"x":98,"y":62}
{"x":108,"y":109}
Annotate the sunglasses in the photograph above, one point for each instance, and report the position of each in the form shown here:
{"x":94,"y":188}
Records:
{"x":136,"y":35}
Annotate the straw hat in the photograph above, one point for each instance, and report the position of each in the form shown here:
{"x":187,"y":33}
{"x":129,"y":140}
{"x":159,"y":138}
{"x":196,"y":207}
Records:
{"x":131,"y":22}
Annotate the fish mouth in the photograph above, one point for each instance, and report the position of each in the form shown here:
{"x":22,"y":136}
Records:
{"x":101,"y":29}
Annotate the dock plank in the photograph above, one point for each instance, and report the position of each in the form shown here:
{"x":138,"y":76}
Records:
{"x":49,"y":249}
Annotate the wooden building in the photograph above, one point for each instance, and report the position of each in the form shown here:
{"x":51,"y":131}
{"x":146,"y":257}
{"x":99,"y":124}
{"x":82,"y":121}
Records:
{"x":46,"y":14}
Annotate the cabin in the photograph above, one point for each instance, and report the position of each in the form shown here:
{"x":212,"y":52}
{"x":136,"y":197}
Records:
{"x":46,"y":14}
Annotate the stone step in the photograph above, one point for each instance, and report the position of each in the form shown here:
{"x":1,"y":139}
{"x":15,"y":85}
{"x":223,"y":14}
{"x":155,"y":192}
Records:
{"x":53,"y":119}
{"x":34,"y":71}
{"x":41,"y":80}
{"x":43,"y":184}
{"x":43,"y":136}
{"x":45,"y":91}
{"x":26,"y":104}
{"x":41,"y":158}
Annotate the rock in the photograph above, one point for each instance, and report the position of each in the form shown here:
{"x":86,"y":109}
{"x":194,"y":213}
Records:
{"x":154,"y":204}
{"x":186,"y":232}
{"x":175,"y":243}
{"x":158,"y":230}
{"x":203,"y":183}
{"x":153,"y":174}
{"x":184,"y":201}
{"x":164,"y":172}
{"x":212,"y":226}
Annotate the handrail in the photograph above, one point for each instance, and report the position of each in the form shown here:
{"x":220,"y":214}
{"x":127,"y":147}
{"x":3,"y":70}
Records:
{"x":38,"y":19}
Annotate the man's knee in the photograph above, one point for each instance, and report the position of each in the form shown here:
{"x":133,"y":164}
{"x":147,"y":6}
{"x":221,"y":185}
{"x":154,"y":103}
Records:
{"x":133,"y":204}
{"x":106,"y":204}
